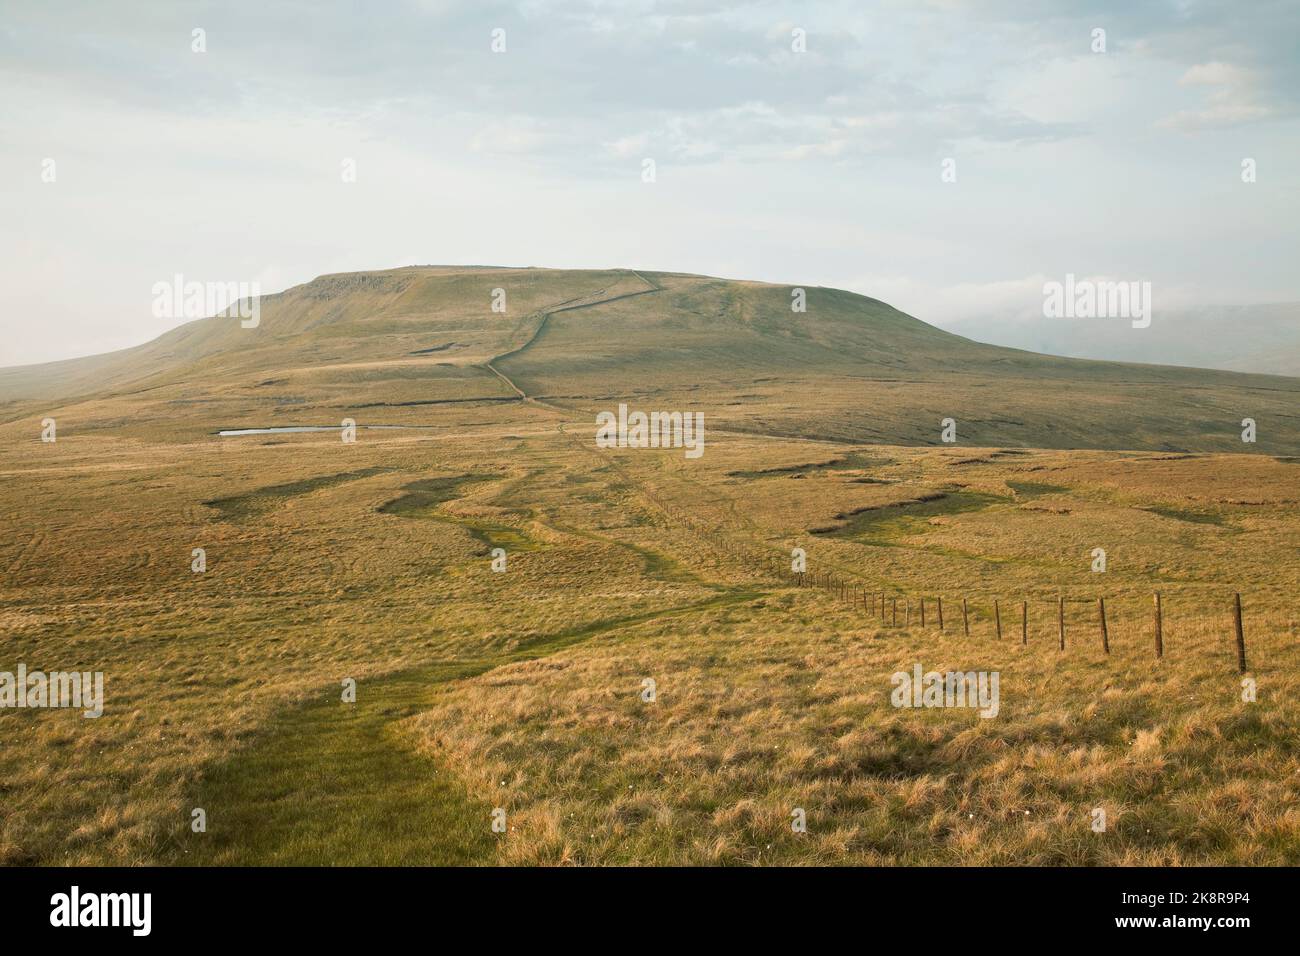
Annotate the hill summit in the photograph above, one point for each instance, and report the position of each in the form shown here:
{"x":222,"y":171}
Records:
{"x":405,"y":346}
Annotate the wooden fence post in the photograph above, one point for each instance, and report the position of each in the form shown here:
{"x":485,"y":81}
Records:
{"x":965,"y":619}
{"x":895,"y":612}
{"x":1241,"y":637}
{"x":1024,"y":622}
{"x":1060,"y":620}
{"x":997,"y":617}
{"x":923,"y":610}
{"x":1105,"y":637}
{"x":940,"y":600}
{"x":1160,"y":637}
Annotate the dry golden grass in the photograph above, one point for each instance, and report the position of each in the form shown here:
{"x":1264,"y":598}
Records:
{"x":786,"y":704}
{"x":769,"y":697}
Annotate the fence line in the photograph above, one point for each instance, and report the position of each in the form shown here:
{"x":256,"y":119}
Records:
{"x":884,"y":606}
{"x":884,"y":603}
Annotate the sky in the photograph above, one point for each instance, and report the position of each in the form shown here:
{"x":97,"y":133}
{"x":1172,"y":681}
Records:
{"x":800,"y":143}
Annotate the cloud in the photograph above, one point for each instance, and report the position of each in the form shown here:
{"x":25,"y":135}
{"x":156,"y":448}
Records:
{"x":663,"y":71}
{"x":1235,"y":97}
{"x":772,"y":164}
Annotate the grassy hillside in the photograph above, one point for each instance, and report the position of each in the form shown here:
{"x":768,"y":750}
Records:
{"x":385,"y":347}
{"x":481,"y":690}
{"x":521,"y":689}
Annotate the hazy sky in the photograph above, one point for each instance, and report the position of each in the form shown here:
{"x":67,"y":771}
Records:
{"x":821,"y":167}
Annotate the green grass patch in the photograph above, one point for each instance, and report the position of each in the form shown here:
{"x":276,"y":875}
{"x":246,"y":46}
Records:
{"x":491,"y":534}
{"x":335,"y":784}
{"x":1036,"y":489}
{"x":424,"y":499}
{"x":660,"y":566}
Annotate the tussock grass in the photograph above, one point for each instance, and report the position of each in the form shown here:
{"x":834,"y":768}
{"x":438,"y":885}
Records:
{"x":522,"y":690}
{"x":760,"y":714}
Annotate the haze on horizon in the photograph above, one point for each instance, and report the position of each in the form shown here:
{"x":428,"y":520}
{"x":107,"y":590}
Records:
{"x":820,"y":167}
